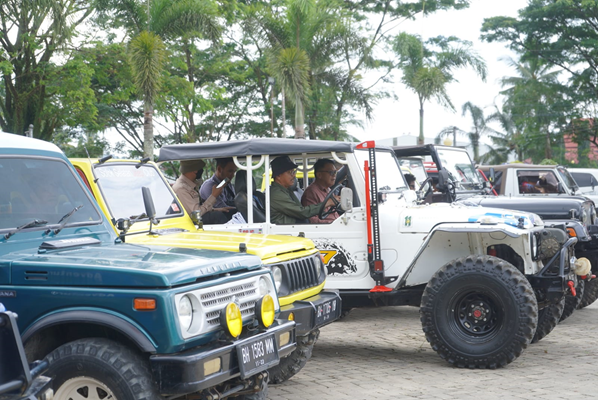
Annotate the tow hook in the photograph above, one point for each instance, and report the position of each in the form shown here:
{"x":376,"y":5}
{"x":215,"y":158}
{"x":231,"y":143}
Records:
{"x":572,"y":288}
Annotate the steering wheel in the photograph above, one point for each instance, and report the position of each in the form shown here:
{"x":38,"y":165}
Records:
{"x":425,"y":189}
{"x":332,"y":209}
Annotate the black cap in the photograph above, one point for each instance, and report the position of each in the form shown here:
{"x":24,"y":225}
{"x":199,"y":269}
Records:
{"x":282,"y":164}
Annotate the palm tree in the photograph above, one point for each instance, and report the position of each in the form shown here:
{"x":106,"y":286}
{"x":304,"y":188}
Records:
{"x":303,"y":43}
{"x":505,"y":142}
{"x":427,"y":71}
{"x":150,"y":23}
{"x":530,"y":97}
{"x":478,"y":128}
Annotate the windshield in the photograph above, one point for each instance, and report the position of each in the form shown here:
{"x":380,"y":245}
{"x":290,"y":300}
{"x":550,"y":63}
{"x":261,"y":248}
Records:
{"x":42,"y":189}
{"x":416,"y":167}
{"x":121,"y":187}
{"x":460,"y":169}
{"x":388,"y":172}
{"x":569,"y":181}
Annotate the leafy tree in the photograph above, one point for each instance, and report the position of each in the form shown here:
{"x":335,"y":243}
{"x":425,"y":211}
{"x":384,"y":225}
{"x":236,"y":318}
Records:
{"x":33,"y":35}
{"x":535,"y":99}
{"x":428,"y":67}
{"x":115,"y":93}
{"x":562,"y":34}
{"x":149,"y":24}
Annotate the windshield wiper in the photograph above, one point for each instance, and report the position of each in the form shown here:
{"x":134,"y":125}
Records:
{"x":63,"y":221}
{"x":32,"y":224}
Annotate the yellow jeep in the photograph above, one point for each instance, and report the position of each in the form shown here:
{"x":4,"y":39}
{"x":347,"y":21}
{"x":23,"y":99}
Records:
{"x":296,"y":264}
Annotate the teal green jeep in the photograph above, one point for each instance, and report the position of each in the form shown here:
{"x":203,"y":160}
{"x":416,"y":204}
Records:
{"x":125,"y":321}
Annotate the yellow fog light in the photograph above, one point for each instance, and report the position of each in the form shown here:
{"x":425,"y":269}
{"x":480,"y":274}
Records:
{"x":284,"y":339}
{"x":212,"y":366}
{"x":231,"y":319}
{"x":264,"y":310}
{"x":291,"y":317}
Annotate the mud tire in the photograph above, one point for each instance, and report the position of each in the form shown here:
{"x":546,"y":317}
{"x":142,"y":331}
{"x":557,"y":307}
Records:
{"x":505,"y":298}
{"x":548,"y":318}
{"x":102,"y":369}
{"x":293,"y":363}
{"x":590,"y":294}
{"x":573,"y":302}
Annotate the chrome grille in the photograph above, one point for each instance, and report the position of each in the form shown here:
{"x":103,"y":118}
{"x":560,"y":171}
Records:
{"x":302,"y":273}
{"x":220,"y":298}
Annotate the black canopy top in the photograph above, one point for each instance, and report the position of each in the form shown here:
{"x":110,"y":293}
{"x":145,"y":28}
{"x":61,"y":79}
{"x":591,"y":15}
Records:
{"x":253,"y":147}
{"x":419,"y":150}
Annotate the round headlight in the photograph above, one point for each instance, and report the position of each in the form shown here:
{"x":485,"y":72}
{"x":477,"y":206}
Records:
{"x":231,"y":319}
{"x":185,"y":312}
{"x":277,"y":274}
{"x":265,"y":311}
{"x":263,"y":287}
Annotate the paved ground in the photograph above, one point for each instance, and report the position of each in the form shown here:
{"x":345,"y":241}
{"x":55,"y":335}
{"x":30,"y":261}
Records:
{"x":381,"y":353}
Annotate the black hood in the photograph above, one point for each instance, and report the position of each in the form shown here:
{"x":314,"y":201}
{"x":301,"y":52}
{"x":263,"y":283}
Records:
{"x":546,"y":207}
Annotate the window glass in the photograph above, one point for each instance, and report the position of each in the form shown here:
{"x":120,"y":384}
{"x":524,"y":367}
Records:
{"x":537,"y":181}
{"x":568,"y":179}
{"x":121,"y":186}
{"x":582,"y":178}
{"x":42,"y":189}
{"x":388,"y":173}
{"x":460,"y":169}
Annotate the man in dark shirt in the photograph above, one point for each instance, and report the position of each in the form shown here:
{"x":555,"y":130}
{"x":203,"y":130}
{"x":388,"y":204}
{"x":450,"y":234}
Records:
{"x":284,"y":206}
{"x":225,"y":168}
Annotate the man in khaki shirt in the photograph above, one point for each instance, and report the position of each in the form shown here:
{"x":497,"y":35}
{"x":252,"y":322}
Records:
{"x":186,"y":188}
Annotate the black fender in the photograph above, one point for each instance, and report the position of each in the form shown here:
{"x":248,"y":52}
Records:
{"x":114,"y":322}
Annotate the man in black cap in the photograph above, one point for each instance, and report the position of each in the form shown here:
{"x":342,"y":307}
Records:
{"x":284,"y":206}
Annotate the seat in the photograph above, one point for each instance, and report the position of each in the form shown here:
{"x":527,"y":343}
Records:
{"x":259,"y":200}
{"x":297,"y":190}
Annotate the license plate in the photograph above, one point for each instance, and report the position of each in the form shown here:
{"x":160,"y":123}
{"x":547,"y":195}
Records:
{"x":326,"y":312}
{"x":257,"y":355}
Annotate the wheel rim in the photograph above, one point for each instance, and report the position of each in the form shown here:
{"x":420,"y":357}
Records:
{"x":84,"y":388}
{"x":476,"y":314}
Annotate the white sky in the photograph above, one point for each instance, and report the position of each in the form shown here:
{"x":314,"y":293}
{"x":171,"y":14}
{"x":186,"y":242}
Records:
{"x":395,"y":118}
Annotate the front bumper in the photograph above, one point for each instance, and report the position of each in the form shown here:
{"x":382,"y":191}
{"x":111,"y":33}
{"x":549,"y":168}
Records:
{"x":550,"y":284}
{"x":184,"y":372}
{"x":314,"y":312}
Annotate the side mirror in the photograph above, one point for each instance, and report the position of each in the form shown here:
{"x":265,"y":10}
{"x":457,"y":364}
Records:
{"x":196,"y":218}
{"x":123,"y":224}
{"x":593,"y":182}
{"x":443,"y":180}
{"x":148,"y":202}
{"x":491,"y":175}
{"x":560,"y":188}
{"x":346,"y":199}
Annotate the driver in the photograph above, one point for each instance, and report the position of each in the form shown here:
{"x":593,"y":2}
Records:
{"x":284,"y":206}
{"x":325,"y":173}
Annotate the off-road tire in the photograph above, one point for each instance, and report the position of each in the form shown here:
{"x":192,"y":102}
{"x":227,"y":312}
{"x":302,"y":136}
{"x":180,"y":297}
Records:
{"x":572,"y":302}
{"x":344,"y":313}
{"x":293,"y":363}
{"x":491,"y":288}
{"x":101,"y":369}
{"x":590,"y":294}
{"x":548,"y":318}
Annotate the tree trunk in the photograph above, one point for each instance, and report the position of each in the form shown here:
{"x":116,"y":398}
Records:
{"x":420,"y":139}
{"x":148,"y":130}
{"x":299,"y":121}
{"x":548,"y":152}
{"x":191,"y":138}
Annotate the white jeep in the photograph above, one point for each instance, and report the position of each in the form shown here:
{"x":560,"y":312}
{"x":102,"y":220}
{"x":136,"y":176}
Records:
{"x":479,"y":275}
